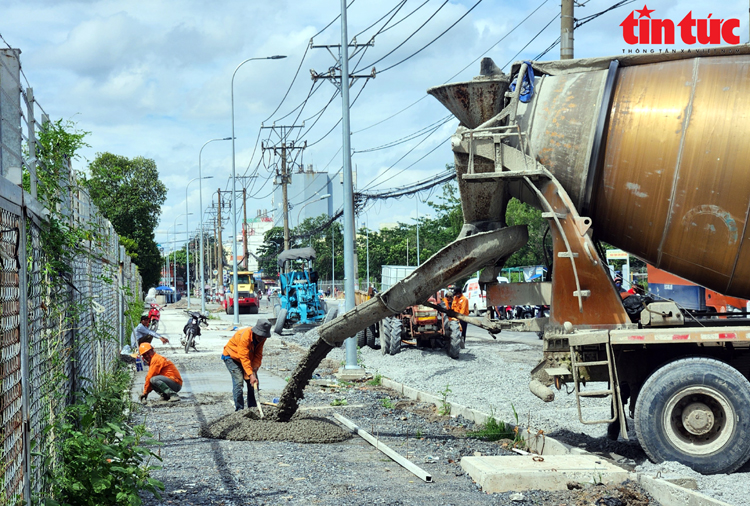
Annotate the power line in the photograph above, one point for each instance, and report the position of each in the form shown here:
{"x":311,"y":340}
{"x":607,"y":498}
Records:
{"x":433,"y":40}
{"x":405,"y":40}
{"x":409,"y":137}
{"x":532,"y":40}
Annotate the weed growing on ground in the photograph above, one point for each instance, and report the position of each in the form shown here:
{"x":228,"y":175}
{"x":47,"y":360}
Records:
{"x":339,"y":402}
{"x":376,"y":381}
{"x":387,"y":403}
{"x":494,"y":430}
{"x":445,"y":407}
{"x":418,"y":435}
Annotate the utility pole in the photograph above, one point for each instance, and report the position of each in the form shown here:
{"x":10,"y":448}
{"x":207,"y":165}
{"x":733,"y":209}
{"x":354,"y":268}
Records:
{"x":282,"y":149}
{"x":244,"y":226}
{"x":219,"y":245}
{"x":344,"y":82}
{"x":566,"y":30}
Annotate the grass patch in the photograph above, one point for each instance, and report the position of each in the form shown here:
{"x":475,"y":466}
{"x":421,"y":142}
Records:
{"x":495,"y":430}
{"x":376,"y":381}
{"x":387,"y":403}
{"x":339,"y":402}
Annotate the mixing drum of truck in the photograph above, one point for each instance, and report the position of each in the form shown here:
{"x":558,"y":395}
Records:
{"x":649,"y":154}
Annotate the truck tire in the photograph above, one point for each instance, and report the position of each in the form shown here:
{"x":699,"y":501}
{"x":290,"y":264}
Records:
{"x":230,"y":308}
{"x":254,"y":309}
{"x":397,"y":332}
{"x":385,"y":336}
{"x":331,"y":314}
{"x":361,"y":338}
{"x":695,"y":411}
{"x":371,"y":337}
{"x":280,"y":321}
{"x":453,"y":339}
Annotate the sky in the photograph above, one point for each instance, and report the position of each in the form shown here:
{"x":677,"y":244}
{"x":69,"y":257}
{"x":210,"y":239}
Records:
{"x":154,"y":79}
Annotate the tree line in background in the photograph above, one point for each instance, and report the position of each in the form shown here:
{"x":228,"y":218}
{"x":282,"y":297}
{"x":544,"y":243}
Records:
{"x":388,"y":246}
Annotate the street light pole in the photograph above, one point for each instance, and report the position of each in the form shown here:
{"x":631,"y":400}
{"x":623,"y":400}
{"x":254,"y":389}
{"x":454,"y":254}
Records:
{"x":187,"y":234}
{"x":322,"y":197}
{"x":175,"y":252}
{"x":169,"y":273}
{"x":200,"y":207}
{"x":234,"y":193}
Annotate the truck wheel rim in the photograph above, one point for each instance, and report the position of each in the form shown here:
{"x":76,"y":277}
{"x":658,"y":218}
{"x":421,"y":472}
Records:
{"x":699,"y":420}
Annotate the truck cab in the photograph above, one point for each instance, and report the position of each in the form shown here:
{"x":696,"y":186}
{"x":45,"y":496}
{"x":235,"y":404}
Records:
{"x":247,"y":299}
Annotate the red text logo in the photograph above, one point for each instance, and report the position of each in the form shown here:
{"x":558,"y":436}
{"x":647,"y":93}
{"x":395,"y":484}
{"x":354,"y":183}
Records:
{"x":648,"y":30}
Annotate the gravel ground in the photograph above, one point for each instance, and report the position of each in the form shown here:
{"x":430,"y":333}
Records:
{"x":201,"y":470}
{"x":491,"y":376}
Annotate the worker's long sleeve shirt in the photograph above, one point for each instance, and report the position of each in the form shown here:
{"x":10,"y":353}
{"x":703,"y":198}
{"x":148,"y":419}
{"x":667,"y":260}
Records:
{"x":242,"y":347}
{"x":141,"y":331}
{"x":161,"y":366}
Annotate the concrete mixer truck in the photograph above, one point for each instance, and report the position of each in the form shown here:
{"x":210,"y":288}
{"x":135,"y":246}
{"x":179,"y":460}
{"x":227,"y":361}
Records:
{"x":648,"y":153}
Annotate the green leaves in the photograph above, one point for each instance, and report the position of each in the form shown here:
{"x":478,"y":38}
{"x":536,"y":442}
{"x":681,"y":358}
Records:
{"x":129,"y":194}
{"x":104,"y":459}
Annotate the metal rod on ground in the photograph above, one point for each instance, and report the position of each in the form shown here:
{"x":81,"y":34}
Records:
{"x":405,"y":463}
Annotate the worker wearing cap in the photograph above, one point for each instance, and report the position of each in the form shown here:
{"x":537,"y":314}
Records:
{"x":243,"y":355}
{"x":461,"y":305}
{"x":162,"y":375}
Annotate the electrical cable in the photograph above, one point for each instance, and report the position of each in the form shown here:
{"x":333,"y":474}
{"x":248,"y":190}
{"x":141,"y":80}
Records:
{"x":532,"y":40}
{"x":433,"y":40}
{"x":397,"y":8}
{"x":409,"y":137}
{"x":405,"y":17}
{"x":405,"y":40}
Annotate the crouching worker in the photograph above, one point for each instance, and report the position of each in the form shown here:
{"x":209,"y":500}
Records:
{"x":243,"y":355}
{"x":162,"y":376}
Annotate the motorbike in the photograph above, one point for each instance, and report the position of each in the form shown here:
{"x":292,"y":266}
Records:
{"x":154,"y":314}
{"x":192,"y":330}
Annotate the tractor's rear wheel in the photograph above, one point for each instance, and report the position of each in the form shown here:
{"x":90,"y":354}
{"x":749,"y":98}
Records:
{"x":695,"y":411}
{"x":385,"y":335}
{"x":397,"y":333}
{"x":453,"y":339}
{"x":254,"y":309}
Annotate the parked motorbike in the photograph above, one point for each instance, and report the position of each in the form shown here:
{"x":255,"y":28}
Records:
{"x":154,"y":314}
{"x":192,"y":330}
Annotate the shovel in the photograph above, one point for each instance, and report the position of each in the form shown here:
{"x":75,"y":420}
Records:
{"x":257,"y":400}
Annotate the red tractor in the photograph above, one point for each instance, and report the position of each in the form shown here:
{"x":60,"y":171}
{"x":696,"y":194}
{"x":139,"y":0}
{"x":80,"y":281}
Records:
{"x":420,"y":326}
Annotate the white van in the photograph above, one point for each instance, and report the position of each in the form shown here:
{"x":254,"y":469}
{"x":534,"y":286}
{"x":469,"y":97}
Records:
{"x":477,"y":297}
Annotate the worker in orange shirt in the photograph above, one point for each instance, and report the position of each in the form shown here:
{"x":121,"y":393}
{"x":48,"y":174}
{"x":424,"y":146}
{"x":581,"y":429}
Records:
{"x":162,"y":375}
{"x":243,"y":355}
{"x":460,"y":305}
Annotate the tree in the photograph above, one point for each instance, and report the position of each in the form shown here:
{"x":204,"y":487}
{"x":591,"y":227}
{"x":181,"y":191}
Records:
{"x":129,"y":194}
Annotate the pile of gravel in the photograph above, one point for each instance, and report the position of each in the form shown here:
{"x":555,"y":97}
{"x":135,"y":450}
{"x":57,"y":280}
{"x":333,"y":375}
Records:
{"x":246,"y":425}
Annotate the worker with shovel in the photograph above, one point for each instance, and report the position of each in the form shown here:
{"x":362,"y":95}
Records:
{"x":243,"y":355}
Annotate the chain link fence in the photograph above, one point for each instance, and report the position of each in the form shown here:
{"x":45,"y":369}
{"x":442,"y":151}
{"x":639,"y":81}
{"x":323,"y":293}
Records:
{"x":58,"y":330}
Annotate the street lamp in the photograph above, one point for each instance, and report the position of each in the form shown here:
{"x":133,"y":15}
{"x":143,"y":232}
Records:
{"x":322,"y":197}
{"x":234,"y":193}
{"x":175,"y":253}
{"x":169,"y":273}
{"x":187,"y":235}
{"x":200,"y":205}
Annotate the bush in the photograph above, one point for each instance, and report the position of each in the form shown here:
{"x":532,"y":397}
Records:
{"x":104,"y":460}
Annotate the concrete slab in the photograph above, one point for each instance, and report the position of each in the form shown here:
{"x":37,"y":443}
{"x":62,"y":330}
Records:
{"x":498,"y":474}
{"x":350,"y":374}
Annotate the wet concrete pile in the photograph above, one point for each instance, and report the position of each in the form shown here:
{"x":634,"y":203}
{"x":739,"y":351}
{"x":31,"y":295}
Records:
{"x":246,"y":425}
